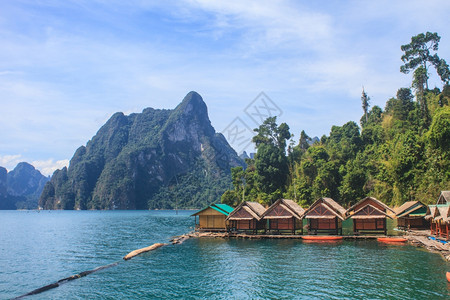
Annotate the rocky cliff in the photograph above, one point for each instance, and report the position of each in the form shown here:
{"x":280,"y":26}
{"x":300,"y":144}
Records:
{"x":151,"y":160}
{"x":21,"y":188}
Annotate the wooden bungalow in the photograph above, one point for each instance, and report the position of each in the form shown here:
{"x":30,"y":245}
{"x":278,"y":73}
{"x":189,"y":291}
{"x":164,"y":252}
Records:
{"x":442,"y":220}
{"x":430,"y":215}
{"x":439,"y":216}
{"x":411,"y":215}
{"x":212,"y":218}
{"x":325,"y":216}
{"x":284,"y":215}
{"x":246,"y":217}
{"x":369,"y":216}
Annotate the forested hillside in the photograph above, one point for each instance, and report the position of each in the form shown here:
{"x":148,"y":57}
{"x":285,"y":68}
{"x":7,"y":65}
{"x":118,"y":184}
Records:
{"x":398,"y":153}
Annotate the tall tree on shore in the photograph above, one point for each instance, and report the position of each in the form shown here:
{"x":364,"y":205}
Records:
{"x":270,"y":160}
{"x":365,"y":104}
{"x":419,"y":83}
{"x":418,"y":53}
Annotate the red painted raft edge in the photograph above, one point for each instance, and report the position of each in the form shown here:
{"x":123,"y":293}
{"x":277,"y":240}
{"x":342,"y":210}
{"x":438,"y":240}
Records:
{"x":448,"y":276}
{"x":321,"y":238}
{"x":392,"y":240}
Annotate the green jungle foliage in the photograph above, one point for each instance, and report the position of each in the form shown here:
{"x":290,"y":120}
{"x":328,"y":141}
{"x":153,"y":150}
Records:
{"x":398,"y":154}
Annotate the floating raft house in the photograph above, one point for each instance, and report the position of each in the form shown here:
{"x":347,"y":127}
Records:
{"x":325,"y":216}
{"x":284,"y":216}
{"x":369,"y":216}
{"x":411,"y":215}
{"x":213,"y":217}
{"x":246,"y":217}
{"x":439,"y":216}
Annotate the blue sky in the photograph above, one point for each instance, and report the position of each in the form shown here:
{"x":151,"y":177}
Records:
{"x":67,"y":66}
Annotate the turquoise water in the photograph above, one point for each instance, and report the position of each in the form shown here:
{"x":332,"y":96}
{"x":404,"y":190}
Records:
{"x":37,"y":249}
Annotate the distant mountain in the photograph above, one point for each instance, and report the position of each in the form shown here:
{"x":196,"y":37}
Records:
{"x":150,"y":160}
{"x":244,"y":155}
{"x":21,"y":188}
{"x":313,"y":140}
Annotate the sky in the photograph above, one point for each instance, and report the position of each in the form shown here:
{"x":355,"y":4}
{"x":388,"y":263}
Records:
{"x":67,"y":66}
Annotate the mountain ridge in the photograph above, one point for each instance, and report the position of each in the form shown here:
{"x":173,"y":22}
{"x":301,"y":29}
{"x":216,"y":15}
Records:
{"x":138,"y":161}
{"x":21,"y":187}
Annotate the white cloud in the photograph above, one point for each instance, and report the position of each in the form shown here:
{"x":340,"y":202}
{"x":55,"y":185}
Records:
{"x":62,"y":76}
{"x":10,"y":161}
{"x":47,"y":167}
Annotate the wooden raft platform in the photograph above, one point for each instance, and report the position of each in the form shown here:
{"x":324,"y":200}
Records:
{"x":284,"y":236}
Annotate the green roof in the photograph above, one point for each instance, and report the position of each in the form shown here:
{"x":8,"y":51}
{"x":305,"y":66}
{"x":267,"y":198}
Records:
{"x":416,"y":211}
{"x":222,"y":208}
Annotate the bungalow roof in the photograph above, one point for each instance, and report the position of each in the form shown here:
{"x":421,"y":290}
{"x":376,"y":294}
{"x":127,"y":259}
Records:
{"x":221,"y":208}
{"x":369,"y":212}
{"x":330,"y":205}
{"x":288,"y":205}
{"x":444,"y":212}
{"x":352,"y":209}
{"x":254,"y":209}
{"x":444,"y":198}
{"x":409,"y":208}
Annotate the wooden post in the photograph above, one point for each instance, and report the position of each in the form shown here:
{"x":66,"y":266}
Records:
{"x":384,"y":225}
{"x":336,"y":225}
{"x":446,"y":225}
{"x":293,"y":225}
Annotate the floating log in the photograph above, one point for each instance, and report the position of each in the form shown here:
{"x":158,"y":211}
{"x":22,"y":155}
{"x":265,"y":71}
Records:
{"x":146,"y":249}
{"x":64,"y":280}
{"x":180,"y":239}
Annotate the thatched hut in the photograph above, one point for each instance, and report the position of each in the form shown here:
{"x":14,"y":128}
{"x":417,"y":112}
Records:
{"x":429,"y":216}
{"x":369,"y":216}
{"x":411,"y":215}
{"x":246,"y":217}
{"x":442,"y":220}
{"x":439,"y":216}
{"x":284,"y":215}
{"x":325,"y":216}
{"x":212,"y":217}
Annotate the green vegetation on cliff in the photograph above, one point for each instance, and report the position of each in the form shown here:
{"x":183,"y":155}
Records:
{"x":156,"y":159}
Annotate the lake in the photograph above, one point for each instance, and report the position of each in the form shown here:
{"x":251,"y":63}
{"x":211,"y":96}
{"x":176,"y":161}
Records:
{"x":37,"y":249}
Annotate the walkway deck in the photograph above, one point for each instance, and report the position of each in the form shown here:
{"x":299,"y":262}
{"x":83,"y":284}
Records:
{"x":281,"y":236}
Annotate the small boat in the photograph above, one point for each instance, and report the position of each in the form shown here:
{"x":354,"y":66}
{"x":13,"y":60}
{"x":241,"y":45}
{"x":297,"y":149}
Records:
{"x":391,"y":240}
{"x":448,"y":276}
{"x":321,"y":238}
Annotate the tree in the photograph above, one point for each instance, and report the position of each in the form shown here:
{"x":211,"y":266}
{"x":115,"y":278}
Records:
{"x":443,"y":71}
{"x":270,"y":160}
{"x":365,"y":103}
{"x":405,"y":97}
{"x":418,"y":53}
{"x":439,"y":133}
{"x":419,"y":83}
{"x":271,"y":134}
{"x":304,"y":141}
